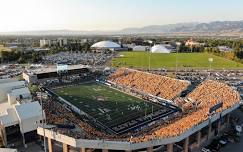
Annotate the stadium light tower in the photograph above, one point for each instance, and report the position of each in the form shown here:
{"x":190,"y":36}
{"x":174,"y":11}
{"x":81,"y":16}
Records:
{"x":149,"y":61}
{"x":150,"y":45}
{"x":210,"y":60}
{"x":176,"y":61}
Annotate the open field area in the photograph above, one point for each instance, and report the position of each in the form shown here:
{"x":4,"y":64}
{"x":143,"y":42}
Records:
{"x":184,"y":60}
{"x":109,"y":106}
{"x":2,"y":48}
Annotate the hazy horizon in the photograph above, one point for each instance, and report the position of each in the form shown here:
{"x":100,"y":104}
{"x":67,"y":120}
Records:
{"x":111,"y":15}
{"x":111,"y":30}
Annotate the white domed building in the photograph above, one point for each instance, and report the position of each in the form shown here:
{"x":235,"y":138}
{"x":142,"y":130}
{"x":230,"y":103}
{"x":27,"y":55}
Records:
{"x":159,"y":49}
{"x":106,"y":45}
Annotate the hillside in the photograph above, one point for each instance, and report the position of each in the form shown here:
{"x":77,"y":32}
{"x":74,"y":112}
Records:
{"x":216,"y":28}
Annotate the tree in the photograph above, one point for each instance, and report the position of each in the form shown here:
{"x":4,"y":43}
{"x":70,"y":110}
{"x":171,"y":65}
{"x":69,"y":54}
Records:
{"x":35,"y":57}
{"x":33,"y":88}
{"x":86,"y":47}
{"x":239,"y":54}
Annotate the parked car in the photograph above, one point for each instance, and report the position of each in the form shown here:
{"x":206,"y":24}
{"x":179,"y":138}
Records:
{"x":214,"y":146}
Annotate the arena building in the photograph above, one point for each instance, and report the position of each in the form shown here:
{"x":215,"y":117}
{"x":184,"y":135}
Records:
{"x":19,"y":115}
{"x":203,"y":113}
{"x":106,"y":45}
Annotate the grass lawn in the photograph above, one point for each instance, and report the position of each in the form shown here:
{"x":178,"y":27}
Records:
{"x":184,"y":60}
{"x":2,"y":48}
{"x":107,"y":105}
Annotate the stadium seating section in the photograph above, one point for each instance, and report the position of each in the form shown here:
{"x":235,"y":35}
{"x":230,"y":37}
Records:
{"x":206,"y":95}
{"x":156,"y":85}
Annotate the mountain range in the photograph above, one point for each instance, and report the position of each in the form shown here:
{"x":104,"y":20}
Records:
{"x":216,"y":28}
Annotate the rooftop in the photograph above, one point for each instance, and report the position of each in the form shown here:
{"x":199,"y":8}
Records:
{"x":8,"y":115}
{"x":53,"y":68}
{"x":106,"y":45}
{"x":28,"y":110}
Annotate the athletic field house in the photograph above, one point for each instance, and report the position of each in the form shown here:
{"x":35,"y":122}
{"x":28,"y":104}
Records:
{"x":131,"y":110}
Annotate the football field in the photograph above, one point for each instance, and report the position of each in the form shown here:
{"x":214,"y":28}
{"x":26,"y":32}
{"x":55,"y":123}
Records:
{"x":184,"y":60}
{"x":107,"y":105}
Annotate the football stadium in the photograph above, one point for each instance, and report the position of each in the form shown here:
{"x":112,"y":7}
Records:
{"x":133,"y":110}
{"x":115,"y":111}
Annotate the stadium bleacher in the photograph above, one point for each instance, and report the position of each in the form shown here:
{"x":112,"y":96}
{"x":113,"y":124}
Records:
{"x":156,"y":85}
{"x":207,"y":94}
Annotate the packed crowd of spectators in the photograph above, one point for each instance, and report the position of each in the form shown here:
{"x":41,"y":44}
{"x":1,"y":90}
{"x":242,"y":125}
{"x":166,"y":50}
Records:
{"x":88,"y":58}
{"x":156,"y":85}
{"x":195,"y":107}
{"x":211,"y":92}
{"x":206,"y":95}
{"x":230,"y":77}
{"x":57,"y":113}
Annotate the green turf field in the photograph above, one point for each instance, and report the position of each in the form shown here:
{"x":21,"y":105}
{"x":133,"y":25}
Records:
{"x":185,"y":60}
{"x":107,"y":105}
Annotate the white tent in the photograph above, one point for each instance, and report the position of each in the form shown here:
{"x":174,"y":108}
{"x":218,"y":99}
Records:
{"x":159,"y":49}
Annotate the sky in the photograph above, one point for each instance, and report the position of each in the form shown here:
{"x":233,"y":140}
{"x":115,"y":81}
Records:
{"x":29,"y":15}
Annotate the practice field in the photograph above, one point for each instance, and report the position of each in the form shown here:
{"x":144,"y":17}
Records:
{"x":184,"y":60}
{"x":109,"y":106}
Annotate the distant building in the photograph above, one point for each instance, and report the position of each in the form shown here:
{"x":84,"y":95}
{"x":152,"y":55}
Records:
{"x":45,"y":42}
{"x":170,"y":47}
{"x":139,"y":48}
{"x":106,"y":45}
{"x":62,"y":42}
{"x":13,"y":45}
{"x":192,"y":43}
{"x":225,"y":49}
